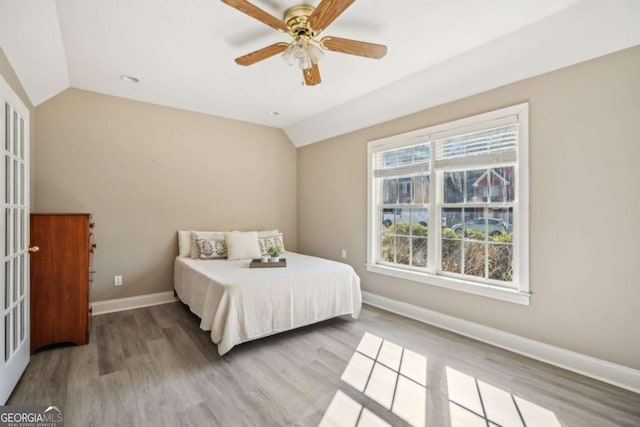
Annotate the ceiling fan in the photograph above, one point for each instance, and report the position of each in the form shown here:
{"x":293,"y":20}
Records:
{"x":304,"y":23}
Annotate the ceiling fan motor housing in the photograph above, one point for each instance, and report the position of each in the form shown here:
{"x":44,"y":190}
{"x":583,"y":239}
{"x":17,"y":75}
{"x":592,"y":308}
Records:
{"x":296,"y":20}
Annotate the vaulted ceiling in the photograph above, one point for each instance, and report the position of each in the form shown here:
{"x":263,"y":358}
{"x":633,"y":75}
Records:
{"x":182,"y":51}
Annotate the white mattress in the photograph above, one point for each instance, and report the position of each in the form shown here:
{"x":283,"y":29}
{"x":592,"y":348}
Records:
{"x":237,"y":303}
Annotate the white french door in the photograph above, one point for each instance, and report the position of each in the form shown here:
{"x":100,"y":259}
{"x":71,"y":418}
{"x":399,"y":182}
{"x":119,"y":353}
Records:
{"x":14,"y":223}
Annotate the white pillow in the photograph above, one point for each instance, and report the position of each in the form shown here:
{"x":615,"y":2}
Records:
{"x":206,"y":235}
{"x":242,"y":245}
{"x":184,"y":243}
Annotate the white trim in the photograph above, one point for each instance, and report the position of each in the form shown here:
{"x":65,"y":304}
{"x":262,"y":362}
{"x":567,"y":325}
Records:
{"x":598,"y":369}
{"x":120,"y":304}
{"x":482,"y":289}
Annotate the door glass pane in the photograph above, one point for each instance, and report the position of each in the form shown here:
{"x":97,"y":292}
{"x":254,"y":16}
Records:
{"x":7,"y":228}
{"x":14,"y":277}
{"x":23,"y":320}
{"x":7,"y":337}
{"x":7,"y":177}
{"x":21,"y":230}
{"x":15,"y":181}
{"x":21,"y":274}
{"x":7,"y":136}
{"x":14,"y":338}
{"x":15,"y":133}
{"x":21,"y":142}
{"x":15,"y":231}
{"x":7,"y":280}
{"x":21,"y":178}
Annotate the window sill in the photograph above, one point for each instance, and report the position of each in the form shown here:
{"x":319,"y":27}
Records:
{"x":510,"y":295}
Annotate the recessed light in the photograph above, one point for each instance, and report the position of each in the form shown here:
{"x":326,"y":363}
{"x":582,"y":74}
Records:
{"x":273,"y":113}
{"x":129,"y":79}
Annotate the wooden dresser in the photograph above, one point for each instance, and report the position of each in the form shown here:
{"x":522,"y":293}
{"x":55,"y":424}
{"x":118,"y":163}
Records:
{"x":60,"y":278}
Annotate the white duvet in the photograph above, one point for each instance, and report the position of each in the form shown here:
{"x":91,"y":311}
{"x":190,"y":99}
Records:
{"x":237,"y":303}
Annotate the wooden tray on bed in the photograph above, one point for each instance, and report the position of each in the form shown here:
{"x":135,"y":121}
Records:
{"x":257,"y":263}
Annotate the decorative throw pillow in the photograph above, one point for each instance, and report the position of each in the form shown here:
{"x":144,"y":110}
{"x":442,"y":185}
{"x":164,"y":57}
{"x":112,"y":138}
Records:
{"x":212,"y":248}
{"x":267,"y":243}
{"x":207,"y":235}
{"x":242,"y":245}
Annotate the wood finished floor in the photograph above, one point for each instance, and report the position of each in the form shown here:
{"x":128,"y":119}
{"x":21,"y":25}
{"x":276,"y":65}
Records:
{"x":154,"y":367}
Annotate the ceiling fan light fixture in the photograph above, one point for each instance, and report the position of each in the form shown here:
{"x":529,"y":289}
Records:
{"x":303,"y":50}
{"x":287,"y":55}
{"x":315,"y":53}
{"x":299,"y":49}
{"x":304,"y":63}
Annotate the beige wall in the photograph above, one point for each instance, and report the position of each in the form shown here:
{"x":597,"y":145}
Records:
{"x":9,"y":75}
{"x":584,"y":208}
{"x":145,"y":171}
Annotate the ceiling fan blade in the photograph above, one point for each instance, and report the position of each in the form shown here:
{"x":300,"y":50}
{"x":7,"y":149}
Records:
{"x":354,"y":47}
{"x":312,"y":75}
{"x":326,"y":12}
{"x":257,"y":13}
{"x":260,"y":54}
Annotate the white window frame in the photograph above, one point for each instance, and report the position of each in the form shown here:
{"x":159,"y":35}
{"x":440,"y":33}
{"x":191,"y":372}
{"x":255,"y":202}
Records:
{"x":520,"y":292}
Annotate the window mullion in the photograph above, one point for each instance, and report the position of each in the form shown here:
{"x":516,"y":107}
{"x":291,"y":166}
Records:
{"x":433,"y":256}
{"x":486,"y":239}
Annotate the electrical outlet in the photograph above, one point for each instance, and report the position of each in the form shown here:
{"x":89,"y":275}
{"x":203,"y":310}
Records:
{"x":344,"y":253}
{"x":117,"y":280}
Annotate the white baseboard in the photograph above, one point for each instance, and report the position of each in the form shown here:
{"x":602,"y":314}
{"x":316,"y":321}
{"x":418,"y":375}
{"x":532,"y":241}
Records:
{"x":111,"y":305}
{"x":602,"y":370}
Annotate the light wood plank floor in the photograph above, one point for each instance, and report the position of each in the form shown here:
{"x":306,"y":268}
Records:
{"x":154,"y":366}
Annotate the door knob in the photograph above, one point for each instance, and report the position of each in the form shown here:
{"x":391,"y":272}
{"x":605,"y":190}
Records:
{"x":33,"y":249}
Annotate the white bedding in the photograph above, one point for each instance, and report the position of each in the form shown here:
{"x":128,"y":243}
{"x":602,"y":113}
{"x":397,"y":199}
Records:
{"x":237,"y":303}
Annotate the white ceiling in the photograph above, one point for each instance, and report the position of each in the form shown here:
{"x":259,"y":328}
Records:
{"x":182,"y":51}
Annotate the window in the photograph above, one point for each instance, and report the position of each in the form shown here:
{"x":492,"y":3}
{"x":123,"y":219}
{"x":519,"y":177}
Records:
{"x":448,"y":205}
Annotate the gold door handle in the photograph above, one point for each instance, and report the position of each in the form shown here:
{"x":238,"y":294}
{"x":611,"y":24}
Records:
{"x":33,"y":249}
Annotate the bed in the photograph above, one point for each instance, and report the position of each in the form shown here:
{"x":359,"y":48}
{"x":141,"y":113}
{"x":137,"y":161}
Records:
{"x":238,"y":304}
